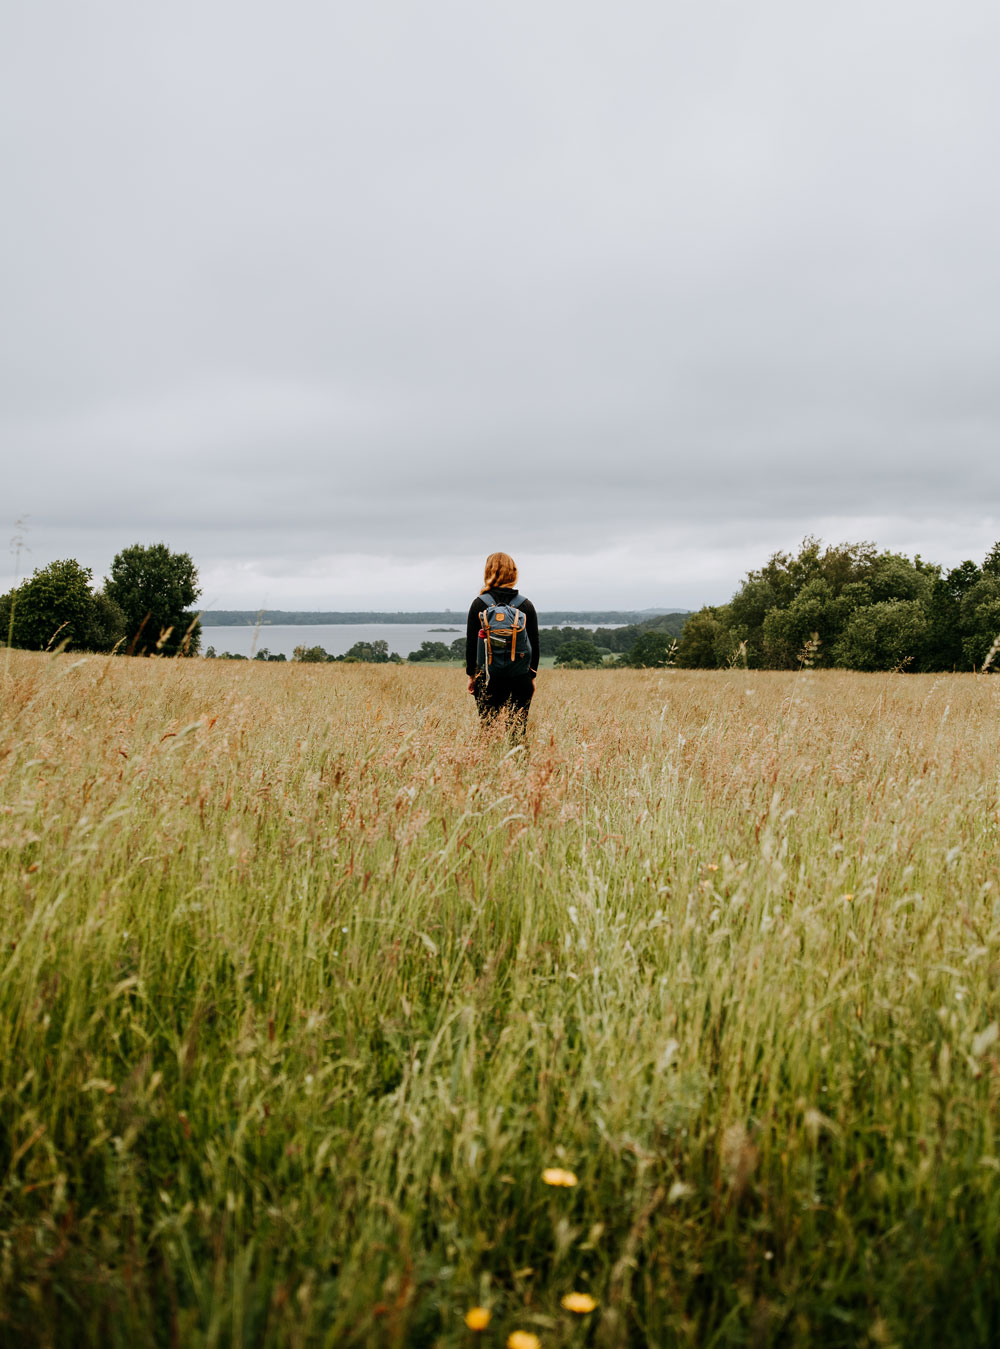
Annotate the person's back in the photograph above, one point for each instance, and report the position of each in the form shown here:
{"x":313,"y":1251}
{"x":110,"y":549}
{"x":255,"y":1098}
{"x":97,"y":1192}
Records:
{"x":504,"y":689}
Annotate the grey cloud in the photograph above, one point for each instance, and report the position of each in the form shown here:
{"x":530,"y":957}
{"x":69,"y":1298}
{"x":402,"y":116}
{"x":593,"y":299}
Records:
{"x":283,"y":285}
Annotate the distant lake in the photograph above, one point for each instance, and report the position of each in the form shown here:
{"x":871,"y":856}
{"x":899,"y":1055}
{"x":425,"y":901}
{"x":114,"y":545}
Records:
{"x":335,"y":638}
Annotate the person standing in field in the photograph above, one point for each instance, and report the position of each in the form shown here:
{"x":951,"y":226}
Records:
{"x":501,"y":647}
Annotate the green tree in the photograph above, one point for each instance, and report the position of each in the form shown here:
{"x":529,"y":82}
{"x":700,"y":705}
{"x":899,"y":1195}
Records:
{"x":579,"y":654}
{"x":747,"y":610}
{"x":891,"y":576}
{"x":889,"y":635}
{"x":943,"y":647}
{"x":310,"y":655}
{"x":778,"y":608}
{"x":980,"y":620}
{"x":551,"y":639}
{"x":371,"y":653}
{"x":105,"y":628}
{"x":431,"y":651}
{"x":155,"y":590}
{"x":785,"y":631}
{"x":706,"y":642}
{"x":54,"y":605}
{"x":652,"y":651}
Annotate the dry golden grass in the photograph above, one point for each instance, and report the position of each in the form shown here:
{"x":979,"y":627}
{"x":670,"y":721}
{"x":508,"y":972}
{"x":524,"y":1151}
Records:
{"x":305,"y":983}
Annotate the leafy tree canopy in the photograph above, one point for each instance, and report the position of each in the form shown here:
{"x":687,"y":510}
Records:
{"x":156,"y":590}
{"x":105,"y":625}
{"x":855,"y":607}
{"x":653,"y":651}
{"x":579,"y":654}
{"x":706,"y":642}
{"x":887,"y":635}
{"x":433,"y":651}
{"x":979,"y":619}
{"x":371,"y":653}
{"x":311,"y":655}
{"x":56,"y":606}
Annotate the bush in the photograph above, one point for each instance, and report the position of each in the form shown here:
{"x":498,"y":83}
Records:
{"x":578,"y":654}
{"x":431,"y":651}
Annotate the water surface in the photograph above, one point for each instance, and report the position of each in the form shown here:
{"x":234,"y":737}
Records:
{"x":335,"y":638}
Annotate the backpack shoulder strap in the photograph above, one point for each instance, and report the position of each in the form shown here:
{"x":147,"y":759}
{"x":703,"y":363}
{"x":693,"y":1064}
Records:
{"x":516,"y":602}
{"x":486,"y":598}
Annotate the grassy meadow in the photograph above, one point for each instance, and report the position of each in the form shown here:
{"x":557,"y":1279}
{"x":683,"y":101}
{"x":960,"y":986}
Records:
{"x":304,"y":984}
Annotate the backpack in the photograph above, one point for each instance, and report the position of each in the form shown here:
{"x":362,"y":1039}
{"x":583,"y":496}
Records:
{"x":504,"y":648}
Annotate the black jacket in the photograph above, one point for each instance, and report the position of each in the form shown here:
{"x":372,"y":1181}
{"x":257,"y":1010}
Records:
{"x":504,"y":594}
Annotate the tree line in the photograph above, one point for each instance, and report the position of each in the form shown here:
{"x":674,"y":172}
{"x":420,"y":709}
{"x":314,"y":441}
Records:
{"x":854,"y":607}
{"x":145,"y":606}
{"x":251,"y":618}
{"x":849,"y":605}
{"x":651,"y":643}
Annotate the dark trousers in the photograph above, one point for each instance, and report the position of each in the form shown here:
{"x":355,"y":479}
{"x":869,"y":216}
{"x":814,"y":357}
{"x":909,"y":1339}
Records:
{"x":510,"y":695}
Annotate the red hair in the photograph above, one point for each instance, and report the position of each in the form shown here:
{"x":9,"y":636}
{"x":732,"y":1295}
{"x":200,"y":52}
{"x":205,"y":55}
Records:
{"x":501,"y":570}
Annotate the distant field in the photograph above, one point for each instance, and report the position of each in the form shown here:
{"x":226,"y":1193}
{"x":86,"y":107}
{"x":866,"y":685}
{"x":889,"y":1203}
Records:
{"x":304,"y":985}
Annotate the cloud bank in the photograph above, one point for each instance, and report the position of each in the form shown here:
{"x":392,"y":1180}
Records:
{"x":341,"y":298}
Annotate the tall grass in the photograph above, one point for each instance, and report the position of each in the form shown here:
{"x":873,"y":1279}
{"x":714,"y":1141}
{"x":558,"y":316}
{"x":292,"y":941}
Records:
{"x":303,"y":984}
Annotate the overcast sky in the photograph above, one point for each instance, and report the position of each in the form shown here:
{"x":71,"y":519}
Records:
{"x":341,"y":296}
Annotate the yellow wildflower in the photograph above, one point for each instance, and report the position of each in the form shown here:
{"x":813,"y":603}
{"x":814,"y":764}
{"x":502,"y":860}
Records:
{"x":578,"y":1302}
{"x":523,"y":1339}
{"x":478,"y":1318}
{"x":554,"y":1175}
